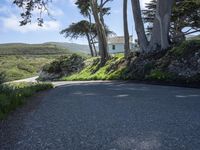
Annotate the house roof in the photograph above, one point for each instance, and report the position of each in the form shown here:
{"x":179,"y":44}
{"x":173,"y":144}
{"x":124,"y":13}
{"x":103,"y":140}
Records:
{"x":118,"y":40}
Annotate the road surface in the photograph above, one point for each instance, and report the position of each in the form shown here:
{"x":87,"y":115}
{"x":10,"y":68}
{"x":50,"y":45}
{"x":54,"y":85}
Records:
{"x":106,"y":116}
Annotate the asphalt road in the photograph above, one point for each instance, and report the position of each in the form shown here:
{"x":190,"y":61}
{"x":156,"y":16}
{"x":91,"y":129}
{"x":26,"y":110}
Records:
{"x":106,"y":116}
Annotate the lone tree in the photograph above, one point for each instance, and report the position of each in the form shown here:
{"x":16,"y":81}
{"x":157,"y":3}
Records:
{"x":97,"y":9}
{"x":82,"y":29}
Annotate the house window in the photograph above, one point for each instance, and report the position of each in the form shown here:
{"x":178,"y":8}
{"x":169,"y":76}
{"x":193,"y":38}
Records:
{"x":113,"y":47}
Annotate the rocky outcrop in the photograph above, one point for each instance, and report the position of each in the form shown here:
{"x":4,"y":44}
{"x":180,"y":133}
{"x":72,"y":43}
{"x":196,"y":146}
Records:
{"x":181,"y":63}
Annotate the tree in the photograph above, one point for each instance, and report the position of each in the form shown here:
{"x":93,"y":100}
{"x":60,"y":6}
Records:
{"x":29,"y":6}
{"x":126,"y":32}
{"x":185,"y":14}
{"x":139,"y":26}
{"x":161,"y":24}
{"x":102,"y":38}
{"x":98,"y":10}
{"x":81,"y":29}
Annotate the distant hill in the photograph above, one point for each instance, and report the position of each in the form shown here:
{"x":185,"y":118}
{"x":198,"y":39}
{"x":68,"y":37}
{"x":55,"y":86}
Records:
{"x":73,"y":47}
{"x":50,"y":48}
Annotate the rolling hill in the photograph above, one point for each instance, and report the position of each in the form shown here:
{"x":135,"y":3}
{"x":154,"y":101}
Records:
{"x":20,"y":60}
{"x":50,"y":48}
{"x":72,"y":47}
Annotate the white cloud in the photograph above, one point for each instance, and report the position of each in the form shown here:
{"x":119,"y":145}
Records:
{"x":9,"y":19}
{"x":12,"y":23}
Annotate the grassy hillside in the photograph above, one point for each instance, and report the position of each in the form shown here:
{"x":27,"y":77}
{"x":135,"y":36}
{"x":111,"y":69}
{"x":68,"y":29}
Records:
{"x":31,"y":49}
{"x":19,"y":67}
{"x":73,"y":47}
{"x":19,"y":60}
{"x":180,"y":64}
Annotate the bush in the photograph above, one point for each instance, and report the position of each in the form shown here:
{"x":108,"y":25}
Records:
{"x":14,"y":94}
{"x":186,"y":48}
{"x":160,"y":75}
{"x":2,"y":77}
{"x":65,"y":65}
{"x":112,"y":70}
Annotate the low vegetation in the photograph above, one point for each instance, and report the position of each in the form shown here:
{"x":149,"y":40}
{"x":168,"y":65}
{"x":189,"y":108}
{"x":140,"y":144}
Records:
{"x":19,"y":67}
{"x":15,"y":94}
{"x":181,"y":64}
{"x":112,"y":70}
{"x":32,"y":49}
{"x":18,"y":60}
{"x":186,"y":48}
{"x":64,"y":66}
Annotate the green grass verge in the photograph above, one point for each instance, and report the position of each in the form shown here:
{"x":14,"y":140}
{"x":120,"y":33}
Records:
{"x":112,"y":70}
{"x":15,"y":94}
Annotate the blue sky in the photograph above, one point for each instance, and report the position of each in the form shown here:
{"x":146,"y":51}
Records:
{"x":64,"y":12}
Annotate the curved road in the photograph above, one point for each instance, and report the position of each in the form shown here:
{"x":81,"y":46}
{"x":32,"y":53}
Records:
{"x":106,"y":116}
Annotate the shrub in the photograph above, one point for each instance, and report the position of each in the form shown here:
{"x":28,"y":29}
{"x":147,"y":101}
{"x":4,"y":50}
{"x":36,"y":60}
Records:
{"x":186,"y":48}
{"x":14,"y":94}
{"x":2,"y":77}
{"x":72,"y":63}
{"x":160,"y":75}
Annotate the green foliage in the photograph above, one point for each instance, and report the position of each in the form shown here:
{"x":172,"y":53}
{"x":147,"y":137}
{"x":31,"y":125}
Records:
{"x":65,"y":63}
{"x":186,"y":48}
{"x":148,"y":67}
{"x":112,"y":70}
{"x":14,"y":94}
{"x":185,"y":13}
{"x":19,"y":67}
{"x":160,"y":75}
{"x":2,"y":77}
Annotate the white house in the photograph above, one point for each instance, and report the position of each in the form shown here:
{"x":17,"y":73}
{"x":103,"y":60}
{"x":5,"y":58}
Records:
{"x":116,"y":44}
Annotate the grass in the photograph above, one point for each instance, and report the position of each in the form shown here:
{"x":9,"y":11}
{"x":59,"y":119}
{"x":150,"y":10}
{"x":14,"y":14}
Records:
{"x":31,"y":49}
{"x":14,"y":95}
{"x":19,"y":67}
{"x":18,"y":60}
{"x":112,"y":70}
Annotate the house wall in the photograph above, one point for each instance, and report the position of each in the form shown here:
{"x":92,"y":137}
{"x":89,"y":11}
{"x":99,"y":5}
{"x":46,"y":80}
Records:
{"x":119,"y":48}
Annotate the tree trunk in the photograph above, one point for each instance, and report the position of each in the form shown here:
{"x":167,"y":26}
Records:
{"x":94,"y":48}
{"x":126,"y":32}
{"x":155,"y":41}
{"x":103,"y":45}
{"x":90,"y":45}
{"x":163,"y":14}
{"x":91,"y":38}
{"x":139,"y":26}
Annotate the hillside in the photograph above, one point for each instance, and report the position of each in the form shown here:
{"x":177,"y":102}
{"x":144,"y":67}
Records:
{"x":179,"y":65}
{"x":51,"y":48}
{"x":73,"y":47}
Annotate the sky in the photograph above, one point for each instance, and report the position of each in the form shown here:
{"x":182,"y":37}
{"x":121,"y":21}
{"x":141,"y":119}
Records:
{"x":63,"y":13}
